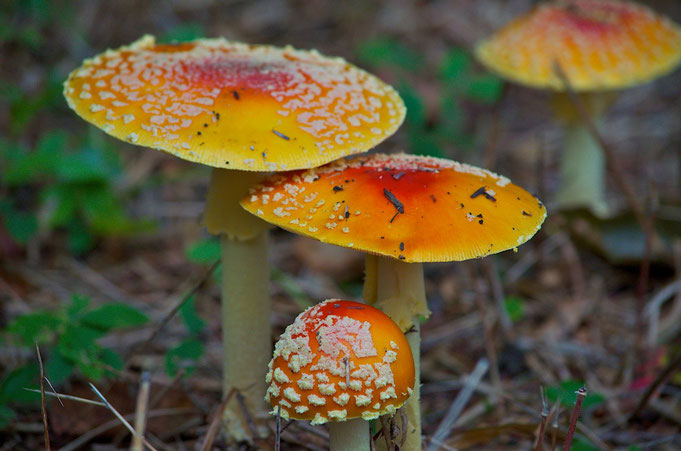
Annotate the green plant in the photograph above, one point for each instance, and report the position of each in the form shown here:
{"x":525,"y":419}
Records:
{"x":65,"y":182}
{"x":566,"y":392}
{"x":515,"y":307}
{"x":69,"y":339}
{"x":186,"y":354}
{"x":457,"y":83}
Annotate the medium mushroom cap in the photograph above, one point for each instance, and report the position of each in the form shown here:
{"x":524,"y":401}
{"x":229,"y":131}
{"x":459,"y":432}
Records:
{"x":416,"y":209}
{"x":232,"y":105}
{"x":598,"y":44}
{"x":340,"y":360}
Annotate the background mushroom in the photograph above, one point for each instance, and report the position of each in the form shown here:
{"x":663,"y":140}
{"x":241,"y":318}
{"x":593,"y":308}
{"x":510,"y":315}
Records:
{"x":341,"y":363}
{"x":241,"y":109}
{"x":401,"y":210}
{"x":600,"y":46}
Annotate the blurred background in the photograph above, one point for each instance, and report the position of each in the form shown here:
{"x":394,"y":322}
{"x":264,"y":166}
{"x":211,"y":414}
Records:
{"x":99,"y":239}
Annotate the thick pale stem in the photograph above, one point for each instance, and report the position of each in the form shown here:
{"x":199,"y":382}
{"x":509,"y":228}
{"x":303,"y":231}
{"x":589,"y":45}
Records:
{"x":398,"y":289}
{"x":582,"y":171}
{"x":245,"y":300}
{"x":351,"y":435}
{"x":245,"y":330}
{"x":582,"y":165}
{"x":223,"y":214}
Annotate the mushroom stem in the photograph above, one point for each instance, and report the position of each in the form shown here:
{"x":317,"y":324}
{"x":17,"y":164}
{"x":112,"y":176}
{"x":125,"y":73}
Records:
{"x":582,"y":164}
{"x":398,"y":289}
{"x":351,"y":435}
{"x":247,"y":345}
{"x":582,"y":171}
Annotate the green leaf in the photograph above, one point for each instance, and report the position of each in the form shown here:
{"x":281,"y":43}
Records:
{"x":389,"y":52}
{"x":566,"y":391}
{"x":415,"y":105}
{"x":37,"y":327}
{"x":111,"y":358}
{"x":455,"y":65}
{"x":183,"y":33}
{"x":115,"y":315}
{"x":485,"y":88}
{"x":7,"y":415}
{"x":89,"y":369}
{"x":422,"y":142}
{"x":190,"y":318}
{"x":77,"y":306}
{"x":582,"y":444}
{"x":12,"y":387}
{"x":58,"y":369}
{"x":87,"y":165}
{"x":61,"y":204}
{"x":80,"y":240}
{"x":183,"y":356}
{"x":77,"y":339}
{"x":204,"y":251}
{"x":21,"y":225}
{"x":515,"y":308}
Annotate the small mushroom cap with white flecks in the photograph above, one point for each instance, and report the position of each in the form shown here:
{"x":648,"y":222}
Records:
{"x":599,"y":44}
{"x":413,"y":208}
{"x":340,"y":360}
{"x":231,"y":105}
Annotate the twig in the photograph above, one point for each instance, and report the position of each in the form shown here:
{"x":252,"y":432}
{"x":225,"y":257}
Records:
{"x":490,"y":267}
{"x":487,"y":332}
{"x":653,"y":307}
{"x":405,"y":426}
{"x":387,"y":435}
{"x":544,"y":420}
{"x":554,"y":427}
{"x":141,"y":412}
{"x":645,"y":221}
{"x":120,"y":417}
{"x":54,"y":391}
{"x":457,"y":406}
{"x":92,"y":433}
{"x":247,"y":415}
{"x":652,"y":388}
{"x":183,"y":300}
{"x":46,"y":431}
{"x":277,"y":433}
{"x":68,"y":397}
{"x":207,"y":442}
{"x":610,"y":158}
{"x":581,"y":394}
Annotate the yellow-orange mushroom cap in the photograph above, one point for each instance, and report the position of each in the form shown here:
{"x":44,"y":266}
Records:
{"x":416,"y":209}
{"x":340,"y":360}
{"x":599,"y":44}
{"x":232,"y":105}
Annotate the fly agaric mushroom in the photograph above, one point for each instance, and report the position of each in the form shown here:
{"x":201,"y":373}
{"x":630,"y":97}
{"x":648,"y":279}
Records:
{"x":599,"y":46}
{"x":402,"y":210}
{"x":240,"y":109}
{"x":344,"y":363}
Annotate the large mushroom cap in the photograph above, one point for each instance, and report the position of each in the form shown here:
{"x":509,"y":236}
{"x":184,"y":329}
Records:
{"x":599,"y":44}
{"x":340,"y":360}
{"x":414,"y":208}
{"x":232,"y":105}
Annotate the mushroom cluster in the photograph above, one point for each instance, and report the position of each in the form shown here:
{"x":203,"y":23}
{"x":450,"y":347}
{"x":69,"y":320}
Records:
{"x":340,"y":360}
{"x":401,"y":210}
{"x":239,"y":109}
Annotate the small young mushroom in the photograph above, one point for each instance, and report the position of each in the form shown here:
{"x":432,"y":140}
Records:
{"x":243,"y":110}
{"x":344,"y":363}
{"x":600,"y":46}
{"x":402,"y":210}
